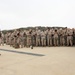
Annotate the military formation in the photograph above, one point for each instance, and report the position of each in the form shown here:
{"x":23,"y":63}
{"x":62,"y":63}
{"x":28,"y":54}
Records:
{"x":39,"y":38}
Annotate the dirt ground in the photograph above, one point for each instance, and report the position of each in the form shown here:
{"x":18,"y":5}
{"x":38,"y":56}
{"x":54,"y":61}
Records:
{"x":37,"y":61}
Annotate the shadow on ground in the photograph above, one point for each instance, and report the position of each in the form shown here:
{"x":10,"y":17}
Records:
{"x":20,"y":52}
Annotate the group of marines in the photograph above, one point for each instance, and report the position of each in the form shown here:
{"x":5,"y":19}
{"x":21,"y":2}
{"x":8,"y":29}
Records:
{"x":37,"y":37}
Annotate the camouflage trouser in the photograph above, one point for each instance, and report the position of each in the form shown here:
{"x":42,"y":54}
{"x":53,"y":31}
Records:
{"x":65,"y":37}
{"x":16,"y":43}
{"x":10,"y":41}
{"x":7,"y":41}
{"x":55,"y":41}
{"x":69,"y":40}
{"x":38,"y":41}
{"x":0,"y":41}
{"x":74,"y":39}
{"x":33,"y":40}
{"x":62,"y":41}
{"x":28,"y":41}
{"x":49,"y":40}
{"x":43,"y":41}
{"x":59,"y":40}
{"x":23,"y":42}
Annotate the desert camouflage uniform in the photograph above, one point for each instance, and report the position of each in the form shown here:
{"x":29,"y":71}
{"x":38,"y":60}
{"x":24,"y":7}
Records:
{"x":25,"y":38}
{"x":28,"y":39}
{"x":73,"y":37}
{"x":16,"y":40}
{"x":7,"y":38}
{"x":49,"y":38}
{"x":69,"y":37}
{"x":43,"y":38}
{"x":38,"y":38}
{"x":2,"y":39}
{"x":62,"y":37}
{"x":55,"y":38}
{"x":52,"y":36}
{"x":33,"y":38}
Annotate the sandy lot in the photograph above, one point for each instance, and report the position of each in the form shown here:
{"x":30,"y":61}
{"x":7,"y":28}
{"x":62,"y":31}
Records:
{"x":37,"y":61}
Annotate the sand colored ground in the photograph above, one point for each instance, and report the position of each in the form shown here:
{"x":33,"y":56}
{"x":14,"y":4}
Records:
{"x":37,"y":61}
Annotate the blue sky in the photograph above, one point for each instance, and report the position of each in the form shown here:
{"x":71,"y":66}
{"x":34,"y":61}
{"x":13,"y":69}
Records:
{"x":25,"y":13}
